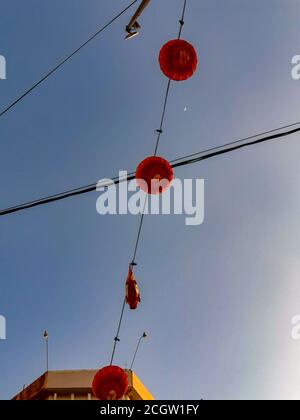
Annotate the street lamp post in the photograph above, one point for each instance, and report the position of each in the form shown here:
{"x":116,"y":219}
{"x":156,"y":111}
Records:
{"x":145,"y":335}
{"x":46,"y":338}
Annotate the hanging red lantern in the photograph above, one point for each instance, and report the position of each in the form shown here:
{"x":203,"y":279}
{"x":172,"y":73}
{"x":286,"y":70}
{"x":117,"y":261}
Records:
{"x":110,"y":383}
{"x":154,"y":175}
{"x":132,"y":291}
{"x":178,"y":60}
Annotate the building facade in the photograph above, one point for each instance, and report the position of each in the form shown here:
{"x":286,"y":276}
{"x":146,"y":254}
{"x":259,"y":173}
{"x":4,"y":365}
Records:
{"x":76,"y":385}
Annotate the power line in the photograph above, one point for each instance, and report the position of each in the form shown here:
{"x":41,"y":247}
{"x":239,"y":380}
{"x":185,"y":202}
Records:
{"x":183,"y":161}
{"x":61,"y":196}
{"x":230,"y":147}
{"x":59,"y":65}
{"x":241,"y":140}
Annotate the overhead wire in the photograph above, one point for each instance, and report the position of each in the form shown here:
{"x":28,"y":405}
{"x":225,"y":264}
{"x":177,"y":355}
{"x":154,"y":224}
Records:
{"x":242,"y":140}
{"x":61,"y":196}
{"x":230,"y":148}
{"x":64,"y":61}
{"x":178,"y":162}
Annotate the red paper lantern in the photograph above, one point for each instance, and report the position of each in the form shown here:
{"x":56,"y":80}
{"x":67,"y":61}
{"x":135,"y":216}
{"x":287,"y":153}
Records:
{"x":154,"y":175}
{"x":178,"y":60}
{"x":132,"y":291}
{"x":110,"y":383}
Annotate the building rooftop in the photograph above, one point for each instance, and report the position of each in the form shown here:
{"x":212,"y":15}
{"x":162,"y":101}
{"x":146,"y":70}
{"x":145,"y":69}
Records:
{"x":76,"y":385}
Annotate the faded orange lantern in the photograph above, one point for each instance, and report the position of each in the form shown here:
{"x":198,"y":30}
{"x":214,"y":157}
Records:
{"x":178,"y":60}
{"x":132,"y":291}
{"x":110,"y":383}
{"x":154,"y":175}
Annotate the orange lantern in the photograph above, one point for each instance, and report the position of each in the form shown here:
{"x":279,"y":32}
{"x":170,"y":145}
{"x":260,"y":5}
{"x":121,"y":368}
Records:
{"x":154,"y":175}
{"x":132,"y":291}
{"x":110,"y":383}
{"x":178,"y":60}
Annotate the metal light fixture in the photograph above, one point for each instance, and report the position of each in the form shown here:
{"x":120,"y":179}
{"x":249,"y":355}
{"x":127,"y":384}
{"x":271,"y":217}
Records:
{"x":133,"y":26}
{"x":46,"y":338}
{"x":144,"y":336}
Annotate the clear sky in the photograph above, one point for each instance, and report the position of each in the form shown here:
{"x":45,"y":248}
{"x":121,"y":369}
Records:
{"x":217,"y":299}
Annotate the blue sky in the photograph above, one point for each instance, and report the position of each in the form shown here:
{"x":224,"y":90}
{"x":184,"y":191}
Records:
{"x":217,"y":299}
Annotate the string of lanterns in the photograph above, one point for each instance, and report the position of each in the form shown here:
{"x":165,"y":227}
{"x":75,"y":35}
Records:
{"x":178,"y":62}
